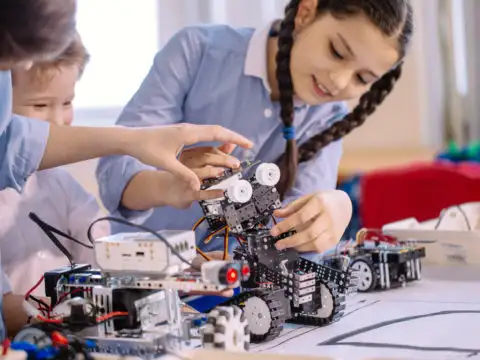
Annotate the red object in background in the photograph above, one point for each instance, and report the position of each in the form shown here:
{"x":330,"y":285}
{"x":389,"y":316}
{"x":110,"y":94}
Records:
{"x":420,"y":190}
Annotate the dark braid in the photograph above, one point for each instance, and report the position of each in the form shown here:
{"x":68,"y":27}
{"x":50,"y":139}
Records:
{"x":288,"y":164}
{"x":367,"y":105}
{"x":390,"y":16}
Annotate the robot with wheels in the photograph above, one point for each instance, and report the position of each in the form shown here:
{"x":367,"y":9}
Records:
{"x":132,"y":306}
{"x":283,"y":286}
{"x":382,"y":262}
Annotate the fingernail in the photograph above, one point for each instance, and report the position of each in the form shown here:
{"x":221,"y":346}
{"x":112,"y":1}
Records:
{"x":279,"y":246}
{"x":274,"y":232}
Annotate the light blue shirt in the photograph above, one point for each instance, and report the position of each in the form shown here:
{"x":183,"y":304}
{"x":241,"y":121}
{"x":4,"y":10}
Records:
{"x":22,"y":144}
{"x":217,"y":75}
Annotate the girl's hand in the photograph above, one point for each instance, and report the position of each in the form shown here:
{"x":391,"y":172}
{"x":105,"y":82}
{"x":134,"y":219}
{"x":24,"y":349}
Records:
{"x":160,"y":146}
{"x":319,"y":219}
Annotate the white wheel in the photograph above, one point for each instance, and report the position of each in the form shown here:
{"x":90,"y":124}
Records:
{"x":267,"y":174}
{"x":240,"y":192}
{"x":365,"y":275}
{"x":327,"y":308}
{"x":258,"y":314}
{"x":226,"y":329}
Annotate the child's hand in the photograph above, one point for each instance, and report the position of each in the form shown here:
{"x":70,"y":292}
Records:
{"x":319,"y":220}
{"x":159,"y":146}
{"x":205,"y":162}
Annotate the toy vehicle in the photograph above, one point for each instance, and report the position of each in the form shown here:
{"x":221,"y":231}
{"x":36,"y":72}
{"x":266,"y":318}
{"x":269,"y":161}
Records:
{"x":382,"y":262}
{"x":132,"y":306}
{"x":282,"y":286}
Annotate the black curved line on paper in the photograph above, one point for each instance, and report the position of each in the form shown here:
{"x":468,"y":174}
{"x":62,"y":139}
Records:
{"x":409,"y":347}
{"x":337,"y":339}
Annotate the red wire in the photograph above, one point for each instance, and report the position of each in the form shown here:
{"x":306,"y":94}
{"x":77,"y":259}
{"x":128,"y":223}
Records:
{"x":33,"y":288}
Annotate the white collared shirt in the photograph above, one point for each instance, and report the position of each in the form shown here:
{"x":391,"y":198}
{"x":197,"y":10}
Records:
{"x":60,"y":201}
{"x":216,"y":74}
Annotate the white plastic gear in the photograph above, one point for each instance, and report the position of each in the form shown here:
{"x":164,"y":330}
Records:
{"x":227,"y":329}
{"x":365,"y":275}
{"x":258,"y":315}
{"x":240,"y":191}
{"x":328,"y":303}
{"x":268,"y":174}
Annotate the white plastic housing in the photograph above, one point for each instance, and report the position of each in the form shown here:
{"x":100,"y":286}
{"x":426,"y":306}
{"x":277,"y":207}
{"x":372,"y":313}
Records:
{"x":144,"y":253}
{"x":211,"y":272}
{"x":267,"y":174}
{"x":240,"y":191}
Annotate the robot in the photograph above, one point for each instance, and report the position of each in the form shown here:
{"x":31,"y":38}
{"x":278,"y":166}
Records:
{"x":382,"y":262}
{"x":131,"y":305}
{"x":282,"y":286}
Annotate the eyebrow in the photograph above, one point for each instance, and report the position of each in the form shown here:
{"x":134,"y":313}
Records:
{"x":349,"y":49}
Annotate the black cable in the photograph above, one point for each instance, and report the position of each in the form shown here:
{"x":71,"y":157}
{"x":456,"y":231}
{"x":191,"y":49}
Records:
{"x":56,"y":231}
{"x":45,"y":228}
{"x":439,"y":221}
{"x":39,"y":302}
{"x":140,"y":227}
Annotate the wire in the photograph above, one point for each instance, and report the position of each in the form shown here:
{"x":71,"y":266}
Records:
{"x":202,"y":254}
{"x":225,"y":244}
{"x":439,"y":221}
{"x":198,"y":223}
{"x":33,"y":288}
{"x":49,"y":230}
{"x":140,"y":227}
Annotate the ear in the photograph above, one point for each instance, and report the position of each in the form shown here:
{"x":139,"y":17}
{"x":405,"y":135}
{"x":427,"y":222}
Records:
{"x":306,"y":14}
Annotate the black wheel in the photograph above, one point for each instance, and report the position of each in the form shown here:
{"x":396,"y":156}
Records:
{"x":366,"y":275}
{"x":330,"y":306}
{"x":227,"y":329}
{"x":262,"y":314}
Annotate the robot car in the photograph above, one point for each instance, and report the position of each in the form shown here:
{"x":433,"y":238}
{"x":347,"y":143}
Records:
{"x":131,"y":306}
{"x":282,"y":286}
{"x":382,"y":262}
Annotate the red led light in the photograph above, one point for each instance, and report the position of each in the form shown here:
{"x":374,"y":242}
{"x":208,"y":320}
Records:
{"x":245,"y":270}
{"x":232,"y":275}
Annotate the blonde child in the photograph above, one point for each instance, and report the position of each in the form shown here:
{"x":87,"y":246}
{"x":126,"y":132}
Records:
{"x":46,"y":92}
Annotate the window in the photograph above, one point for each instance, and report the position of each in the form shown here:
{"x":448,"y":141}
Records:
{"x":122,"y":39}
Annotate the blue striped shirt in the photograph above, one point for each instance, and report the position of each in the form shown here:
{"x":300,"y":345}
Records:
{"x":217,"y":74}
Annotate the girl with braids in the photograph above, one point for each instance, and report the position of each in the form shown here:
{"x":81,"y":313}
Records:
{"x":284,"y":87}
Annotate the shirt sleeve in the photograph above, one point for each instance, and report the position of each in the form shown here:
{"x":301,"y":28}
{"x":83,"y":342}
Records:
{"x":5,"y":286}
{"x":158,"y":101}
{"x":22,"y":141}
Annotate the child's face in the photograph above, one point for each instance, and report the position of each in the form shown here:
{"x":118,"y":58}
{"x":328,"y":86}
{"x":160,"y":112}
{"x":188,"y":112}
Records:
{"x":51,"y":100}
{"x":335,"y":60}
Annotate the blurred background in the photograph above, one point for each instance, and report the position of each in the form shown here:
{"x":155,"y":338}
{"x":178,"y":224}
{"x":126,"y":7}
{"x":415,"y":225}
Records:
{"x":435,"y":105}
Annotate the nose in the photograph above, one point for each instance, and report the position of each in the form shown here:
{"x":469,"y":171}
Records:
{"x":340,"y":80}
{"x":56,"y":117}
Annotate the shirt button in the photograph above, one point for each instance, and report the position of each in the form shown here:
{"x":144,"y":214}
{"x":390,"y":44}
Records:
{"x":267,"y":113}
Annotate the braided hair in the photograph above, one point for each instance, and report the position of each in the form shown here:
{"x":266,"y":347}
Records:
{"x":391,"y":17}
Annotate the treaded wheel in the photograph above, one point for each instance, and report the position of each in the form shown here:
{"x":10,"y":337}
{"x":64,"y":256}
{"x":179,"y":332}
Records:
{"x":330,"y":310}
{"x":227,"y":329}
{"x":367,"y":277}
{"x":260,"y":312}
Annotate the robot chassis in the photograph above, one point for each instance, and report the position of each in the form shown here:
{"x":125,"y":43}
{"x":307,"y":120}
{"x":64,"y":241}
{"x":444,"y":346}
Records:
{"x":382,"y":262}
{"x":132,"y":306}
{"x":283,"y":287}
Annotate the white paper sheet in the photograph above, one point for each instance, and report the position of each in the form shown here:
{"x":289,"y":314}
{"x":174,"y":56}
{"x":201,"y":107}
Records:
{"x":447,"y":326}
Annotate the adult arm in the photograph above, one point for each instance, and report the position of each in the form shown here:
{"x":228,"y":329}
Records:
{"x":158,"y":101}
